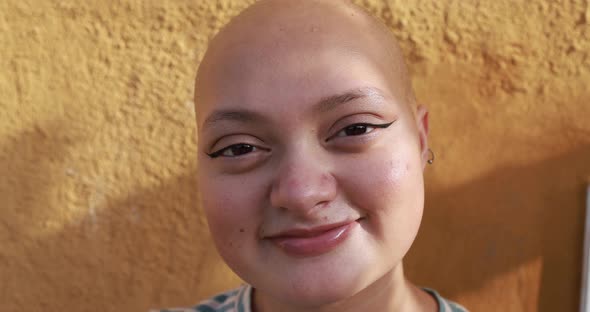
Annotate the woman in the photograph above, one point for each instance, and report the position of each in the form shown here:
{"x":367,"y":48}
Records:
{"x":312,"y":151}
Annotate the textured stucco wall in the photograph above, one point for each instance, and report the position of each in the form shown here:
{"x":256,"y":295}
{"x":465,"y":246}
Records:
{"x":98,"y":209}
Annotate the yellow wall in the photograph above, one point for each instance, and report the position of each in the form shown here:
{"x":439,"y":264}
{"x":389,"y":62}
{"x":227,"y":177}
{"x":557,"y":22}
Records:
{"x":98,"y":207}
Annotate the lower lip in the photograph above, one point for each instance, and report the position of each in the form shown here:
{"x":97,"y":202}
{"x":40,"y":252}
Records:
{"x":315,"y":245}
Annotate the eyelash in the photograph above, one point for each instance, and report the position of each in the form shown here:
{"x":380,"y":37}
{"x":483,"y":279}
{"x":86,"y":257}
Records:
{"x":364,"y":125}
{"x":220,"y":152}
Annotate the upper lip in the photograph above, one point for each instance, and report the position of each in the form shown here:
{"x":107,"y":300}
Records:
{"x":309,"y":232}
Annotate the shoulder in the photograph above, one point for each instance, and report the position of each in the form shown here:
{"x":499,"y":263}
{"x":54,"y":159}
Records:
{"x":445,"y":305}
{"x":236,"y":300}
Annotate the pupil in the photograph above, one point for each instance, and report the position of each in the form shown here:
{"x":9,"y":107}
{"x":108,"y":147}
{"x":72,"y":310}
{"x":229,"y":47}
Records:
{"x":241,"y":149}
{"x":356,"y":130}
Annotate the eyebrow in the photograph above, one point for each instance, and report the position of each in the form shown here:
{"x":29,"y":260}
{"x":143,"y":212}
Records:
{"x":332,"y":102}
{"x":240,"y":115}
{"x":323,"y":105}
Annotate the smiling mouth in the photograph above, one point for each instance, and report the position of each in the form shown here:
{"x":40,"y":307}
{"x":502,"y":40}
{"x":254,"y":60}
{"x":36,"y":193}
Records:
{"x":314,"y":241}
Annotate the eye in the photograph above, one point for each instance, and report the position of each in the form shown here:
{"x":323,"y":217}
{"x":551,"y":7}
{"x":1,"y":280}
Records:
{"x":234,"y":150}
{"x":360,"y":129}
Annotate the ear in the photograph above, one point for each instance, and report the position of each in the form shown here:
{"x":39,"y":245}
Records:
{"x":422,"y":125}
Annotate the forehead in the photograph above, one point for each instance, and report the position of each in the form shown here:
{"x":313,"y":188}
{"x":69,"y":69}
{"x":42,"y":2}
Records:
{"x":289,"y":85}
{"x":294,"y":61}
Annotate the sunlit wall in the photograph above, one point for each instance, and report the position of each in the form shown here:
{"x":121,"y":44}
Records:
{"x":98,"y":202}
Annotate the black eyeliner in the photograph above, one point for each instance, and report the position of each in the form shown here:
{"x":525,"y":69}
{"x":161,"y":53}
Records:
{"x":215,"y":154}
{"x":379,"y":126}
{"x":382,"y":126}
{"x":220,"y":152}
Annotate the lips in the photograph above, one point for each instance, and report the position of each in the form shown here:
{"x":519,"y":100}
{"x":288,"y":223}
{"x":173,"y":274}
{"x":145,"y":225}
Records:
{"x":314,"y":241}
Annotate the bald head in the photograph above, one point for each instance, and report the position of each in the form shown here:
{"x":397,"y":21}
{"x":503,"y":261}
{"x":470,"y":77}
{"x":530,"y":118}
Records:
{"x":272,"y":32}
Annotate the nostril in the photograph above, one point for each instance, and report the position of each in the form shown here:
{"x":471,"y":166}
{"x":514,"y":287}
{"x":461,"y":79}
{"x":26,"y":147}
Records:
{"x":302,"y":188}
{"x":322,"y":204}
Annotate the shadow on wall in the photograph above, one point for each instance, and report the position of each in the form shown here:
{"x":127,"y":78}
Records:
{"x":502,"y":221}
{"x":147,"y":249}
{"x":25,"y":165}
{"x":150,"y":248}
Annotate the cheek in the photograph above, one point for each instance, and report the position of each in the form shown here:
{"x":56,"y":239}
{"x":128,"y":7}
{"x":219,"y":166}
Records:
{"x":389,"y":188}
{"x":378,"y":181}
{"x":230,"y":207}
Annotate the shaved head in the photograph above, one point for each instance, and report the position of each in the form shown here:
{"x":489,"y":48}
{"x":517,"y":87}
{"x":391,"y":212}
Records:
{"x":307,"y":120}
{"x":271,"y":30}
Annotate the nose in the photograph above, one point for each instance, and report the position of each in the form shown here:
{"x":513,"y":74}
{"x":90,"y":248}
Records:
{"x":302,"y":185}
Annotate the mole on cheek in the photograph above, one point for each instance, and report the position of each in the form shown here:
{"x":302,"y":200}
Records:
{"x":242,"y":230}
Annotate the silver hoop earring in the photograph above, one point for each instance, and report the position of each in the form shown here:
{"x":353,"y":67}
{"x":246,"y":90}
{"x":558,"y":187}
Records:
{"x":431,"y":159}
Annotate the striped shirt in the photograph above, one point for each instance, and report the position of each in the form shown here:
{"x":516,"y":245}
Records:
{"x":238,"y":300}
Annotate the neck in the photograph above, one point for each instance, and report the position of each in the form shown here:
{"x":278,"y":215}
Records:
{"x":392,"y":292}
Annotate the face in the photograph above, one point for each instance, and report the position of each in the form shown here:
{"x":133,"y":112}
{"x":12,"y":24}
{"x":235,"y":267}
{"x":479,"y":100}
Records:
{"x":310,"y":171}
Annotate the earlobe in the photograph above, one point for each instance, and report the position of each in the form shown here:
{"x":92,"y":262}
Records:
{"x":423,"y":128}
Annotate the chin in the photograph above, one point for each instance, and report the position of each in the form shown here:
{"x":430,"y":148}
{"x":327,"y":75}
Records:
{"x":322,"y":280}
{"x":324,"y":294}
{"x":323,"y":284}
